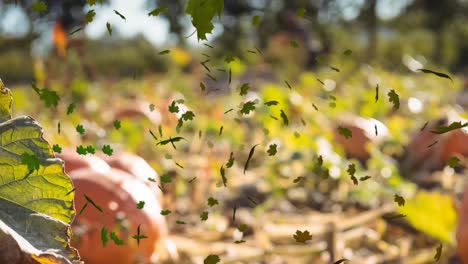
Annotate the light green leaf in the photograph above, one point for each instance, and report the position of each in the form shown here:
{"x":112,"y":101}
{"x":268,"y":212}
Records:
{"x":35,"y":212}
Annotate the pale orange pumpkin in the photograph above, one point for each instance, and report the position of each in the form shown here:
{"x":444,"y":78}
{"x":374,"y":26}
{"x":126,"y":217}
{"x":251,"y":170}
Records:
{"x":117,"y":193}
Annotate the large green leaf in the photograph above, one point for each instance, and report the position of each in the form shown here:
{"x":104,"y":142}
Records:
{"x":36,"y":207}
{"x":203,"y":12}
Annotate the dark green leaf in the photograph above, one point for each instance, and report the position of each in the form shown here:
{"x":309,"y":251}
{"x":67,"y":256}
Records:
{"x":211,"y":259}
{"x":120,"y":15}
{"x":284,"y":117}
{"x":212,"y":201}
{"x":345,"y":132}
{"x":104,"y":238}
{"x":440,"y":74}
{"x":272,"y":150}
{"x":106,"y":149}
{"x":247,"y":107}
{"x":71,"y":108}
{"x":244,"y":89}
{"x":394,"y":98}
{"x":159,"y":10}
{"x":99,"y":208}
{"x":39,"y":6}
{"x":399,"y":200}
{"x":452,"y":126}
{"x":302,"y":236}
{"x":116,"y":239}
{"x":246,"y":166}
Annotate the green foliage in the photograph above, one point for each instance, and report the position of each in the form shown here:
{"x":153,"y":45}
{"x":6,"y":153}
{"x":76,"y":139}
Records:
{"x":203,"y":12}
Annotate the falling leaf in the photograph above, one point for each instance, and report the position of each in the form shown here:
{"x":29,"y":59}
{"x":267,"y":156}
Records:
{"x":270,"y":103}
{"x":298,"y":179}
{"x":39,"y":6}
{"x":287,"y":84}
{"x":432,"y":144}
{"x":56,"y":148}
{"x":244,"y":89}
{"x":345,"y":132}
{"x":170,"y":140}
{"x":99,"y":208}
{"x":399,"y":200}
{"x":347,"y":52}
{"x":211,"y":259}
{"x":365,"y":178}
{"x":140,"y":204}
{"x":180,"y":222}
{"x":223,"y":175}
{"x":246,"y":166}
{"x":165,"y":178}
{"x":117,"y":124}
{"x":71,"y":108}
{"x":452,"y":126}
{"x":90,"y":16}
{"x":302,"y":236}
{"x":300,"y":11}
{"x":255,"y":20}
{"x":80,"y":129}
{"x":164,"y":52}
{"x":394,"y":98}
{"x":189,"y":115}
{"x":173,"y":108}
{"x":243,"y":228}
{"x":212,"y":201}
{"x":83,"y":208}
{"x":50,"y":98}
{"x":453,"y":162}
{"x":230,"y":161}
{"x":247,"y":107}
{"x":440,"y":74}
{"x":284,"y":117}
{"x":351,"y":171}
{"x":202,"y":13}
{"x":438,"y":253}
{"x":139,"y":236}
{"x":120,"y":15}
{"x":424,"y":126}
{"x":159,"y":10}
{"x":104,"y":238}
{"x":90,"y":149}
{"x":165,"y":212}
{"x":109,"y":28}
{"x":81,"y":150}
{"x":106,"y":149}
{"x":340,"y":261}
{"x":116,"y":239}
{"x":204,"y":216}
{"x":377,"y":93}
{"x":272,"y":150}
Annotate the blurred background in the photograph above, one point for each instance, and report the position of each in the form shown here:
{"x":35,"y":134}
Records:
{"x":329,"y":64}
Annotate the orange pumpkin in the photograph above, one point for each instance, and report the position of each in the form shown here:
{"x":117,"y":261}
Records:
{"x":117,"y":193}
{"x":136,"y":166}
{"x":363,"y":133}
{"x":419,"y":156}
{"x":461,"y":232}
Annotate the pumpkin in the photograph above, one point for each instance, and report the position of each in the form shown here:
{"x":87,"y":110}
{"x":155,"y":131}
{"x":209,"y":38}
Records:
{"x":74,"y":161}
{"x":117,"y":193}
{"x":461,"y":232}
{"x":419,"y":156}
{"x":363,"y":133}
{"x":136,"y":166}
